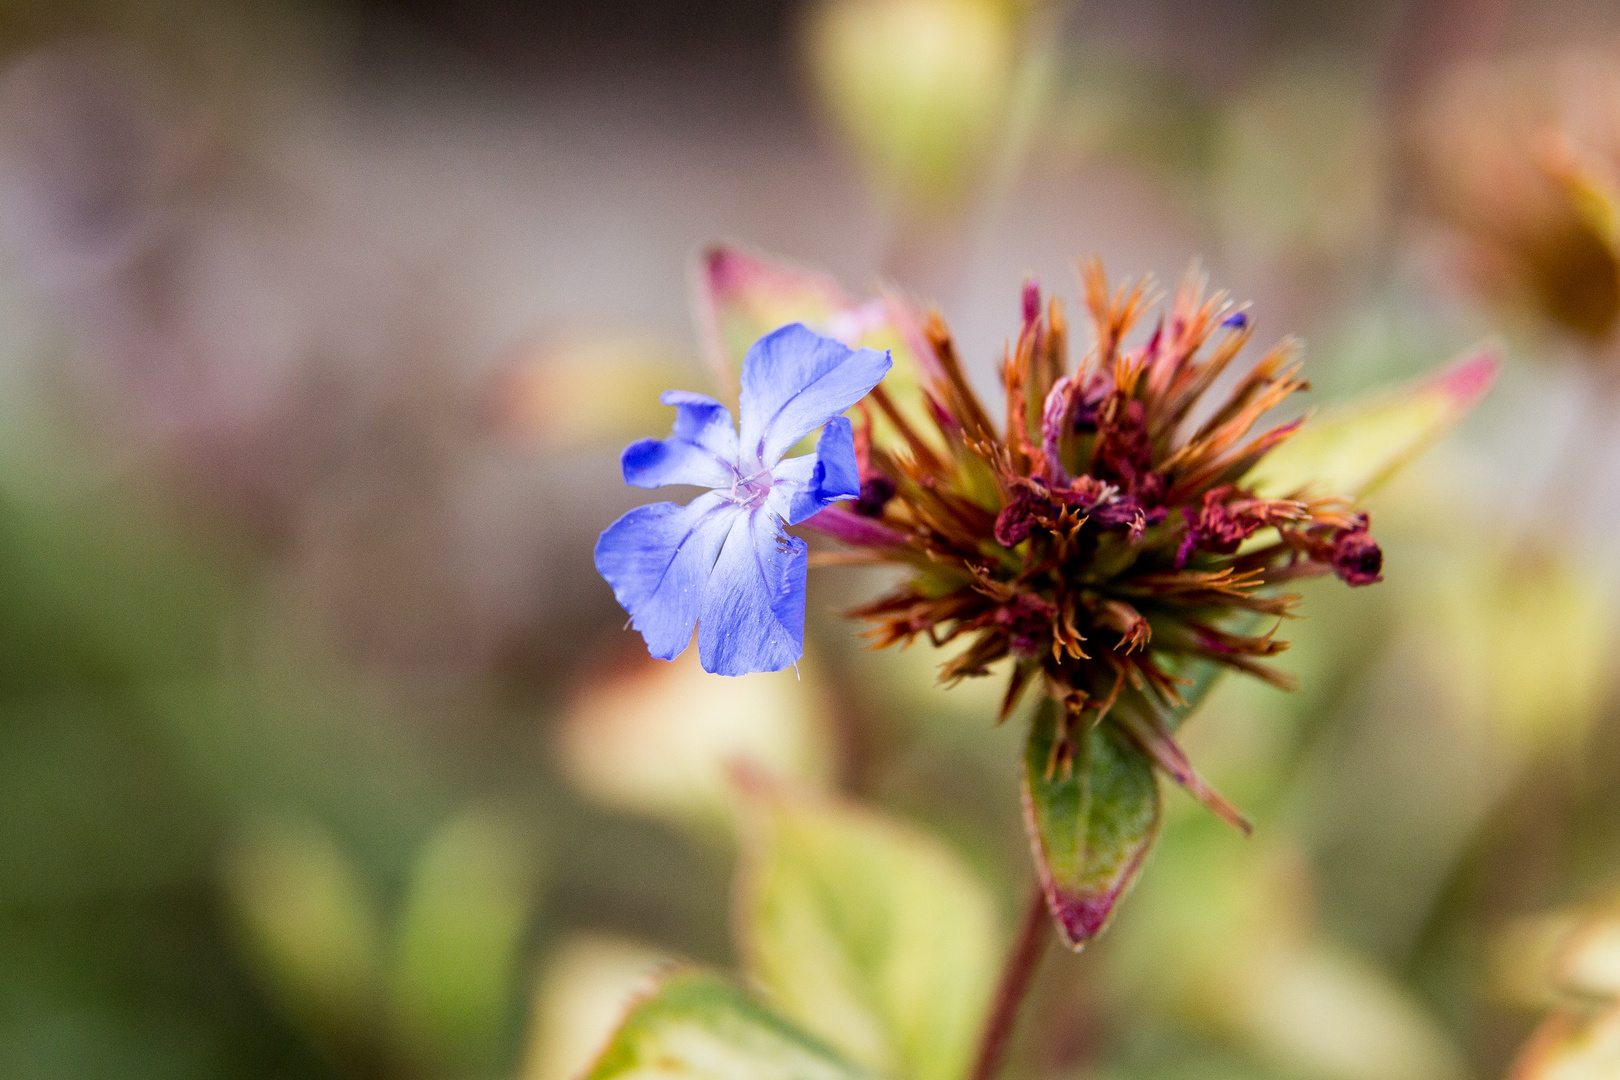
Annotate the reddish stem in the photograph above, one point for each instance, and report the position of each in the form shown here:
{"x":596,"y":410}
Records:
{"x":1016,"y":973}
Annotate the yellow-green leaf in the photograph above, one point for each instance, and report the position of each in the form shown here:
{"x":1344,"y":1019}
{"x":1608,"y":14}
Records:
{"x":589,"y":982}
{"x":1597,"y":202}
{"x":460,"y":936}
{"x":1351,"y":450}
{"x":870,"y":933}
{"x":657,"y":737}
{"x":548,"y":395}
{"x":698,"y":1026}
{"x":919,"y":88}
{"x":309,"y":922}
{"x":1091,"y":820}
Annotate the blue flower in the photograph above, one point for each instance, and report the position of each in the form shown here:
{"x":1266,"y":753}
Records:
{"x":724,"y":562}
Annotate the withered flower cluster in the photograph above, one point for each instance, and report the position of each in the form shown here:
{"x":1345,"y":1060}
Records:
{"x":1100,"y":534}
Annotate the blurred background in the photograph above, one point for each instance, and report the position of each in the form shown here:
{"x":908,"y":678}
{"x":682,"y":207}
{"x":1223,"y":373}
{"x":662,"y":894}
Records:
{"x":323,"y":752}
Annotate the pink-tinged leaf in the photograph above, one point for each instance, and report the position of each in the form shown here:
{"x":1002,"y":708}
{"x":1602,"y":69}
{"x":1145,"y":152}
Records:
{"x":1091,"y":819}
{"x":1353,"y":449}
{"x":739,"y":296}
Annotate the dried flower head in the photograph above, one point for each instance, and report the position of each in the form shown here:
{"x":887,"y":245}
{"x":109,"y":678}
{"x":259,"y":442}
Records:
{"x":1102,"y":535}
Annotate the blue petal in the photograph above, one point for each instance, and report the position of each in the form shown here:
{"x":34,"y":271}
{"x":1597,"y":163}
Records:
{"x":753,"y":609}
{"x":702,"y":450}
{"x":658,"y":558}
{"x":803,"y":485}
{"x":794,"y":381}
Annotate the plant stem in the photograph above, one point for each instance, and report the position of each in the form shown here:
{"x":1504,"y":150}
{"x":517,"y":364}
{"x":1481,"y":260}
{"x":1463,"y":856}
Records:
{"x":1016,"y":972}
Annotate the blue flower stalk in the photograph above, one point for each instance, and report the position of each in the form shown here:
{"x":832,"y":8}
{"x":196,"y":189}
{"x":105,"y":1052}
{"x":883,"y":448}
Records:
{"x":724,"y":563}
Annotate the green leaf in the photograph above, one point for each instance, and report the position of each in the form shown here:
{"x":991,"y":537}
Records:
{"x":1351,"y":450}
{"x":1091,"y":821}
{"x":699,"y":1026}
{"x":871,"y":934}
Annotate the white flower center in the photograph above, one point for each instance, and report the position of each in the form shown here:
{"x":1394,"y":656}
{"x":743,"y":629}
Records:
{"x":750,"y":491}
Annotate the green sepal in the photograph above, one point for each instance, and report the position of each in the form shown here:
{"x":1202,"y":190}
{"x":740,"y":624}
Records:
{"x":1204,"y":675}
{"x":1092,"y":816}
